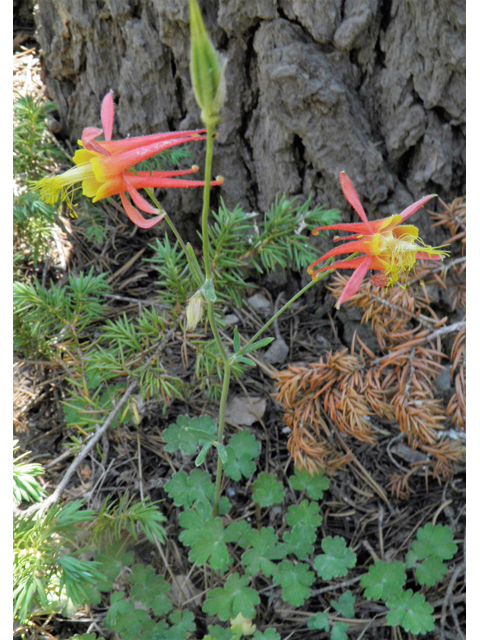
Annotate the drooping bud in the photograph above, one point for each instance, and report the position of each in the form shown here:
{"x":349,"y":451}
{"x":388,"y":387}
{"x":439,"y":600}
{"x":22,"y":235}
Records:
{"x":195,"y":310}
{"x":207,"y":69}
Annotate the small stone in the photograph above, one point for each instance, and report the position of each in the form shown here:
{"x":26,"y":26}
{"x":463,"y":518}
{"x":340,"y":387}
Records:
{"x":260,"y":303}
{"x":277,"y":352}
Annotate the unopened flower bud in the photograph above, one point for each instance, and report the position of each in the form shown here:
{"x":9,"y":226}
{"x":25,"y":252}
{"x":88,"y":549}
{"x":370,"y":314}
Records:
{"x":195,"y":310}
{"x":207,"y":69}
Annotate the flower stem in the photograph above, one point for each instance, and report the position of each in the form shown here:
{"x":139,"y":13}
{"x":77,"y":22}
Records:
{"x":206,"y":202}
{"x":221,"y":424}
{"x":227,"y":367}
{"x":281,"y":310}
{"x":194,"y":267}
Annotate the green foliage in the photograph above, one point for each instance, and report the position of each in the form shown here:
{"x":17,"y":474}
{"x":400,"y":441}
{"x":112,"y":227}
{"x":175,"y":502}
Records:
{"x":131,"y":615}
{"x":110,"y":562}
{"x":242,"y":449}
{"x":295,"y":580}
{"x":231,"y":599}
{"x":314,"y":485}
{"x":383,"y":580}
{"x":267,"y":490}
{"x":319,"y":622}
{"x":44,"y":560}
{"x":339,"y":631}
{"x":345,"y":604}
{"x":410,"y":611}
{"x":433,"y":545}
{"x":187,"y":434}
{"x":264,"y":549}
{"x":41,"y":315}
{"x":34,"y":149}
{"x":238,"y":242}
{"x":300,"y":540}
{"x":336,"y":559}
{"x":33,"y":154}
{"x":25,"y":485}
{"x":118,"y":518}
{"x":150,"y":589}
{"x":92,"y":223}
{"x":268,"y":634}
{"x":207,"y":537}
{"x":306,"y":512}
{"x":190,"y":489}
{"x":173,"y":273}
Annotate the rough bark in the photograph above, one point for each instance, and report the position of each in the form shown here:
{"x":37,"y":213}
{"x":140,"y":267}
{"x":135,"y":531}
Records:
{"x":374,"y":88}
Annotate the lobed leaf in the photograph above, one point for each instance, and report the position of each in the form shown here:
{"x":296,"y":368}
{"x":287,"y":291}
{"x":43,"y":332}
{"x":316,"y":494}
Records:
{"x":336,"y":559}
{"x":267,"y":490}
{"x":231,"y":599}
{"x":383,"y":580}
{"x":314,"y":485}
{"x":410,"y":611}
{"x":295,"y":580}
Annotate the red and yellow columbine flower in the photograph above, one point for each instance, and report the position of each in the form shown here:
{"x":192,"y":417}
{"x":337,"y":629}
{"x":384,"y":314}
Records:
{"x":102,"y":168}
{"x":390,"y":246}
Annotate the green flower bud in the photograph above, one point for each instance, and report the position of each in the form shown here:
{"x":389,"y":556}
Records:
{"x":207,"y":69}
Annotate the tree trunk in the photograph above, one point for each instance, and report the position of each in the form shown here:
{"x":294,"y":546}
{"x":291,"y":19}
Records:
{"x":314,"y":87}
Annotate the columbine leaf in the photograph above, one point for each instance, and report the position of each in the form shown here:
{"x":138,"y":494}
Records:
{"x":295,"y":580}
{"x":264,"y":550}
{"x":383,"y":580}
{"x":186,"y":490}
{"x":218,"y":633}
{"x":410,"y":611}
{"x":201,"y":456}
{"x":110,"y":565}
{"x":242,"y":449}
{"x":241,"y":533}
{"x":268,"y":634}
{"x":336,"y":559}
{"x":183,"y":623}
{"x":314,"y":485}
{"x":318,"y":622}
{"x":434,"y":541}
{"x":430,"y":571}
{"x":300,"y":540}
{"x":150,"y":589}
{"x":231,"y":599}
{"x":128,"y":622}
{"x":345,"y":604}
{"x":222,"y":452}
{"x":206,"y":537}
{"x":189,"y":433}
{"x":339,"y":631}
{"x":305,"y":512}
{"x":267,"y":490}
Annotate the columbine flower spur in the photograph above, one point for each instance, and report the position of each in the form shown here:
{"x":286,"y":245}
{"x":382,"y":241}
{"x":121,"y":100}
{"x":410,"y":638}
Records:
{"x":102,"y":168}
{"x":390,"y":247}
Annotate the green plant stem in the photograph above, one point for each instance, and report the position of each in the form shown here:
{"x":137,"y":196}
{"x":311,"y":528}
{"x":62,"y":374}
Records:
{"x":227,"y":367}
{"x":206,"y":202}
{"x":221,"y":424}
{"x":280,"y":311}
{"x":194,"y":267}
